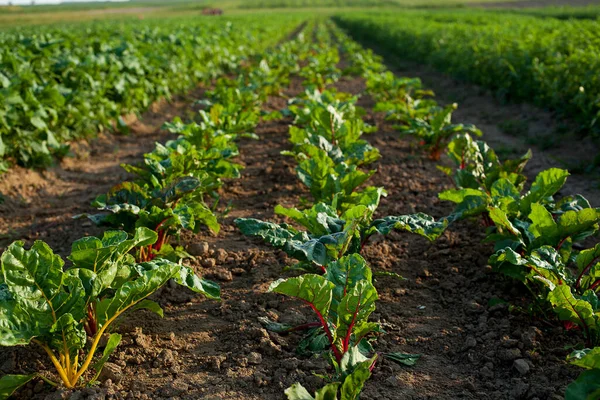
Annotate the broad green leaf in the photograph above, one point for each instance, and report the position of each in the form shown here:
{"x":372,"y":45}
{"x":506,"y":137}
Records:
{"x":314,"y":289}
{"x":68,"y":333}
{"x":150,"y":306}
{"x":421,"y":224}
{"x":356,"y":306}
{"x":459,"y":195}
{"x":185,"y":276}
{"x":546,"y":184}
{"x":151,"y":276}
{"x":501,"y":220}
{"x":345,"y":274}
{"x":570,"y":308}
{"x":542,"y":222}
{"x":353,"y":383}
{"x":403,"y":358}
{"x":298,"y":392}
{"x":586,"y":387}
{"x":10,"y":383}
{"x":586,"y":358}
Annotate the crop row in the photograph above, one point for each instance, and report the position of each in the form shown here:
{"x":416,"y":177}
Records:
{"x":68,"y":83}
{"x":549,"y":61}
{"x":66,"y":312}
{"x":331,"y":228}
{"x":538,"y":238}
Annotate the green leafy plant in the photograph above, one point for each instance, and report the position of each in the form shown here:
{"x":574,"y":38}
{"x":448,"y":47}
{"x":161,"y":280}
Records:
{"x":166,"y":211}
{"x":329,"y":236}
{"x":587,"y":385}
{"x":342,"y":301}
{"x":436,"y":129}
{"x":41,"y":303}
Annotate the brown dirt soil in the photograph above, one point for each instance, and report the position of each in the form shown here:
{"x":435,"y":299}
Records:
{"x":219,"y":350}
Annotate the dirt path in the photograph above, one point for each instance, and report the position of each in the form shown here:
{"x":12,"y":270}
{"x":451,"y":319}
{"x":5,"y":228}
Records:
{"x":218,"y":350}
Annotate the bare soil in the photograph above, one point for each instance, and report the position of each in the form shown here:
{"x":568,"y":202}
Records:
{"x":218,"y":350}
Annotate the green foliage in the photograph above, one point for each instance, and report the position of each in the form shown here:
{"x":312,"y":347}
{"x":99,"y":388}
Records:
{"x":42,"y":303}
{"x":56,"y":86}
{"x":342,"y":300}
{"x":435,"y":129}
{"x":520,"y":57}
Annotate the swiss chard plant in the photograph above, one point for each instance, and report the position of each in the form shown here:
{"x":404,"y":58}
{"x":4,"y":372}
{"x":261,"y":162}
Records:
{"x":436,"y":129}
{"x":477,"y":166}
{"x":327,"y":180}
{"x":342,"y":301}
{"x":329,"y":236}
{"x":56,"y":309}
{"x":164,"y":210}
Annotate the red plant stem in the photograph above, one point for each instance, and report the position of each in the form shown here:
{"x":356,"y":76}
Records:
{"x":364,"y":242}
{"x":346,"y":342}
{"x":336,"y":351}
{"x":373,"y":365}
{"x":585,"y":271}
{"x":92,"y":327}
{"x":561,"y":243}
{"x":595,"y":285}
{"x":487,"y":221}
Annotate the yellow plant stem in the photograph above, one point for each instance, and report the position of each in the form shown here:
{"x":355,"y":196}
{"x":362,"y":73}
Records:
{"x":57,"y":364}
{"x":97,"y":338}
{"x":75,"y":365}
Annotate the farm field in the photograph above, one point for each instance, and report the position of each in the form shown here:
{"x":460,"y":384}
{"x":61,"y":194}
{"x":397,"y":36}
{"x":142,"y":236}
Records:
{"x":333,"y":207}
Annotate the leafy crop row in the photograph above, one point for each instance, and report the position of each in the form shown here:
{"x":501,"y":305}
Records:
{"x":66,"y":312}
{"x":549,"y":61}
{"x":538,"y":240}
{"x":538,"y":237}
{"x":335,"y":223}
{"x":67,"y":83}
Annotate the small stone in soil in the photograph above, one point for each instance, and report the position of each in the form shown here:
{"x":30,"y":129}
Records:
{"x":209,"y":263}
{"x":111,"y":372}
{"x":165,"y":358}
{"x":521,"y":366}
{"x":254,"y":358}
{"x":470,"y":343}
{"x":141,"y":339}
{"x":509,"y":354}
{"x":198,"y":249}
{"x":223,"y":275}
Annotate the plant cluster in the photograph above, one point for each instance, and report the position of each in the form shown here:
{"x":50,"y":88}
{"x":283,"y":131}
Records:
{"x":538,"y":237}
{"x":545,"y":60}
{"x":538,"y":240}
{"x":336,"y":223}
{"x":67,"y":312}
{"x":58,"y":86}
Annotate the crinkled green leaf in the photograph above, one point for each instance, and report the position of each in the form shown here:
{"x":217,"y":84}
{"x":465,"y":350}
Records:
{"x":314,"y":289}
